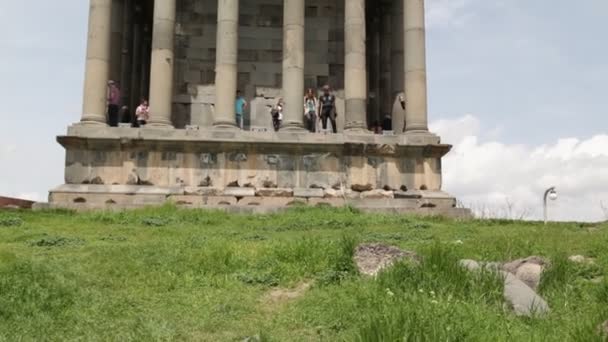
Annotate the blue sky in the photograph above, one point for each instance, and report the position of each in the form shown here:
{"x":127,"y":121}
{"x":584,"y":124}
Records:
{"x":518,"y":84}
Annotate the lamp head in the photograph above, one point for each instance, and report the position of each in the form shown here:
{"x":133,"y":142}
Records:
{"x":553,"y":195}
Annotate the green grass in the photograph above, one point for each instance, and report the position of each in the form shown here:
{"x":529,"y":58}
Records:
{"x":165,"y":274}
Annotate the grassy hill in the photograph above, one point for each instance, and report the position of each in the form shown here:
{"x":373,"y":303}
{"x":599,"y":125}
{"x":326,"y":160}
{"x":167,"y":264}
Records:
{"x":170,"y":274}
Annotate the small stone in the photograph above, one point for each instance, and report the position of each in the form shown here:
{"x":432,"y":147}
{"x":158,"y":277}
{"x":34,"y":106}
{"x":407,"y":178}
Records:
{"x":493,"y":266}
{"x":332,"y":193}
{"x":580,"y":259}
{"x":206,"y":182}
{"x":603,"y":329}
{"x":470,"y":265}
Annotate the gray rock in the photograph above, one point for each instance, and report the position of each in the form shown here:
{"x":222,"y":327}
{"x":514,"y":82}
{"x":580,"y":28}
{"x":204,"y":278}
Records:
{"x":522,"y":299}
{"x":373,"y":258}
{"x":470,"y":265}
{"x":492,"y":266}
{"x":515,"y":264}
{"x":580,"y":259}
{"x":603,"y":329}
{"x":530,"y":274}
{"x":528,"y":270}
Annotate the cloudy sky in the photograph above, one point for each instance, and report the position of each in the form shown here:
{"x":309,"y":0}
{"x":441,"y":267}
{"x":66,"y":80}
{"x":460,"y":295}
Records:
{"x":518,"y":86}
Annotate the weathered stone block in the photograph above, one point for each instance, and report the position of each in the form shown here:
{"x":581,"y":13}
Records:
{"x":239,"y":192}
{"x":309,"y":193}
{"x":274,"y":192}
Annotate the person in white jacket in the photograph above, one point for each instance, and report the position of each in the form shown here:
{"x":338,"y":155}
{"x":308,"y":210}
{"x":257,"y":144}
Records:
{"x":311,"y":104}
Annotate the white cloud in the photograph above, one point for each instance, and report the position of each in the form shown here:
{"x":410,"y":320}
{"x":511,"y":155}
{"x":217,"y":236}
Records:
{"x":490,"y":176}
{"x":448,"y":13}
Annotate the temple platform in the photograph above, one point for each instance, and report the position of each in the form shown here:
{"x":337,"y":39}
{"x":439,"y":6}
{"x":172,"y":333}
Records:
{"x":124,"y":168}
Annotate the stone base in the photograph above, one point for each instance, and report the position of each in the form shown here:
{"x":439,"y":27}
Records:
{"x":129,"y":168}
{"x":119,"y":197}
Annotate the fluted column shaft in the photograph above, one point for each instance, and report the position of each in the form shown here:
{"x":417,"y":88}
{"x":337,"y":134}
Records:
{"x":415,"y":85}
{"x":97,"y":68}
{"x":397,"y":63}
{"x":161,"y":66}
{"x":226,"y":63}
{"x":293,"y":64}
{"x":385,"y":64}
{"x":355,"y":66}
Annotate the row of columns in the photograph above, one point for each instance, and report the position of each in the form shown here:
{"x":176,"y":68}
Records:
{"x":412,"y":62}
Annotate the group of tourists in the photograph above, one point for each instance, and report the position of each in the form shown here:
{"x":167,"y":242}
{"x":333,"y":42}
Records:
{"x":318,"y":111}
{"x":118,"y":113}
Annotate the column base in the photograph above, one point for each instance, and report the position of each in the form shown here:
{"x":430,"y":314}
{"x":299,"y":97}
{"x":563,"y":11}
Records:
{"x":91,"y":122}
{"x":294,"y":127}
{"x":225,"y":126}
{"x":356,"y":127}
{"x":159,"y":124}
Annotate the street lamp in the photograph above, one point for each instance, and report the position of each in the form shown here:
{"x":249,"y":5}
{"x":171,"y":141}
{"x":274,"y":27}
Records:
{"x":550,"y":194}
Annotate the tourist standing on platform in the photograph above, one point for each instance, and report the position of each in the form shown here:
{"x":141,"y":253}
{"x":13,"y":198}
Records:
{"x":327,"y":105}
{"x":241,"y":106}
{"x":113,"y":98}
{"x":142,"y":113}
{"x":311,"y":105}
{"x":277,"y":115}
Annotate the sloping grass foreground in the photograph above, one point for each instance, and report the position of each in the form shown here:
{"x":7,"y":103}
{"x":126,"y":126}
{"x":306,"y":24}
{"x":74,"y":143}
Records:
{"x":165,"y":274}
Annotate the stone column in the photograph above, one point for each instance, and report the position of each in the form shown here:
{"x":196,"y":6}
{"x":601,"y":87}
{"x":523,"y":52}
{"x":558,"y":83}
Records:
{"x":374,"y":70}
{"x":136,"y":57}
{"x":226,"y":64}
{"x":355,"y":73}
{"x":386,"y":96}
{"x":161,"y":66}
{"x":293,"y":64}
{"x":398,"y":115}
{"x":117,"y":37}
{"x":97,"y":68}
{"x":415,"y":66}
{"x":126,"y":53}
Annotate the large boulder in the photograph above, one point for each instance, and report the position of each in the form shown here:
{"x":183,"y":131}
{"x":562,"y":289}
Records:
{"x":528,"y":270}
{"x":522,"y":299}
{"x":372,"y":258}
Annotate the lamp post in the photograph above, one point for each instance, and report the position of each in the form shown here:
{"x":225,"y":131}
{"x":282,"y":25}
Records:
{"x":550,"y":194}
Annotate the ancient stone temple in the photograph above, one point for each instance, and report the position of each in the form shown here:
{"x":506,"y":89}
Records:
{"x":189,"y":57}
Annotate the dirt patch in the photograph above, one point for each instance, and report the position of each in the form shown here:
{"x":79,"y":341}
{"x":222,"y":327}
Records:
{"x":373,"y":258}
{"x":281,"y":295}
